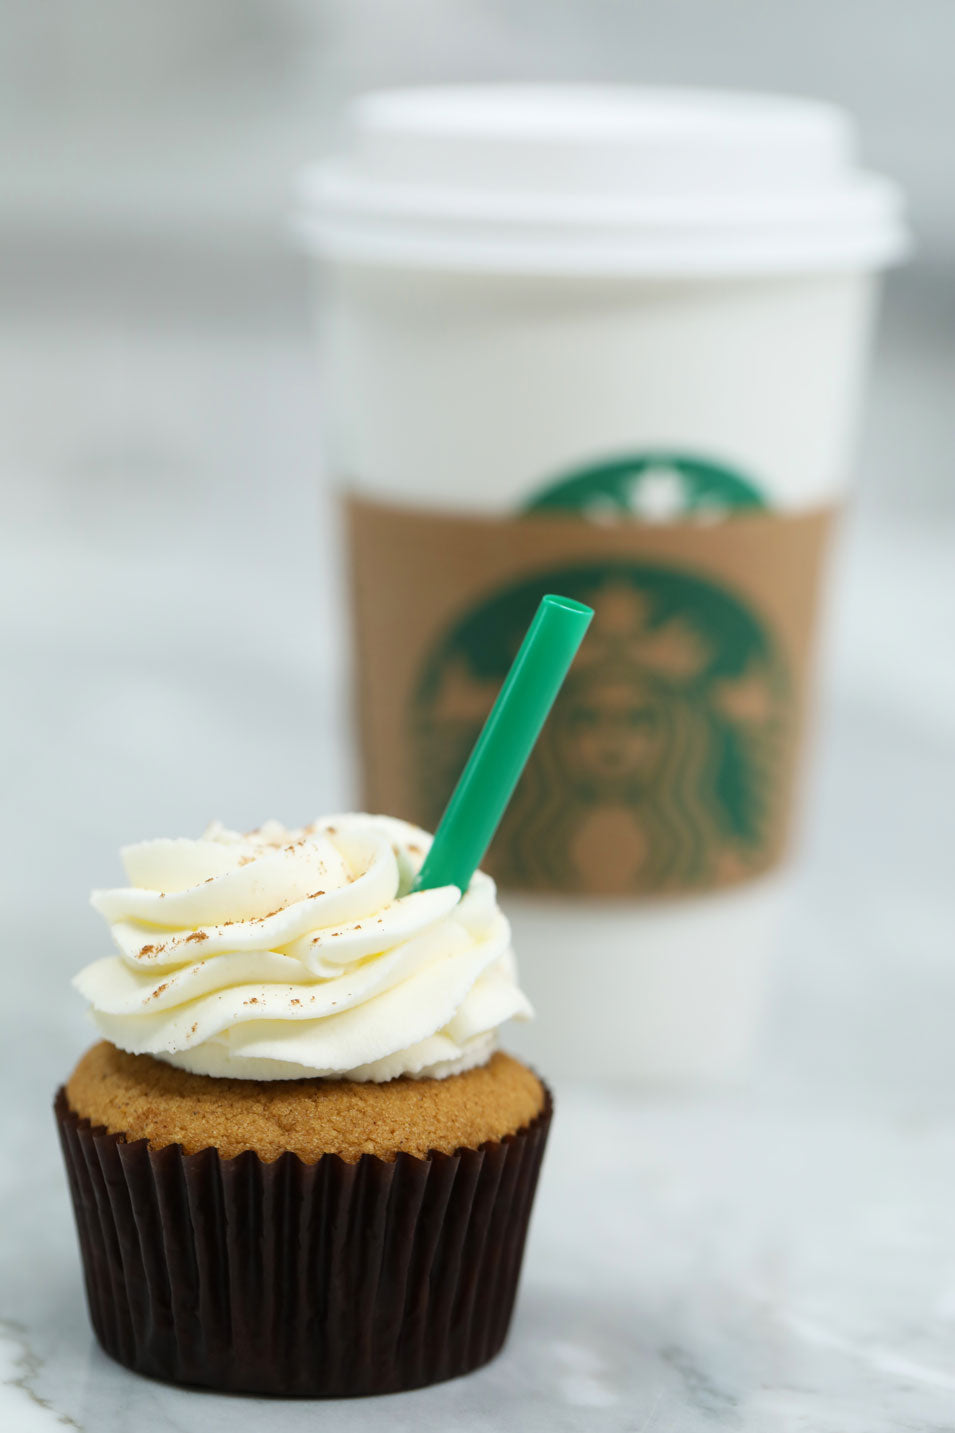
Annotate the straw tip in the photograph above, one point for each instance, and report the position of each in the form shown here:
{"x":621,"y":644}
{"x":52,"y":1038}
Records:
{"x":567,"y":604}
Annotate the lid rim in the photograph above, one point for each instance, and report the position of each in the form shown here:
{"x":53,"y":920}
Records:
{"x":872,"y":196}
{"x":861,"y":252}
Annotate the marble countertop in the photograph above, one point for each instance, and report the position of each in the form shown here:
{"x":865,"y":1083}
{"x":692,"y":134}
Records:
{"x":769,"y":1260}
{"x":718,"y":1263}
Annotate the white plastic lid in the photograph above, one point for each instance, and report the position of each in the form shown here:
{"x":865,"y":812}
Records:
{"x":599,"y":180}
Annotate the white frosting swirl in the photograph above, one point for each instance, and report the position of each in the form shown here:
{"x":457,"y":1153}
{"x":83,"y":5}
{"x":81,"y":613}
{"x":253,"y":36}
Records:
{"x":282,"y":954}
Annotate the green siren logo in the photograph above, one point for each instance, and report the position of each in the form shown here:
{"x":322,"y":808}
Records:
{"x":661,"y":765}
{"x":658,"y":486}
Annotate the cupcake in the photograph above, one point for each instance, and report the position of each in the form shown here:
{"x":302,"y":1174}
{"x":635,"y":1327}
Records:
{"x":298,"y":1161}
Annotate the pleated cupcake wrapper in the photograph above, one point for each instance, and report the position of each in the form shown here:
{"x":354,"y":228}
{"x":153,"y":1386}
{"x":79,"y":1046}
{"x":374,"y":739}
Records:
{"x":323,"y":1280}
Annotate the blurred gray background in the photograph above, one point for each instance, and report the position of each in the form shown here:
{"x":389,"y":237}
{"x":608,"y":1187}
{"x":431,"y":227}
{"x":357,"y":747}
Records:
{"x":170,"y":628}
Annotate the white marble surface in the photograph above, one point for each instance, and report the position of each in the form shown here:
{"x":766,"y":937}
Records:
{"x":711,"y":1265}
{"x":778,"y":1259}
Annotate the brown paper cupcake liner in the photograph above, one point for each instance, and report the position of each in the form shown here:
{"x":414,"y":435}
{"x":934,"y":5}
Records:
{"x":320,"y":1280}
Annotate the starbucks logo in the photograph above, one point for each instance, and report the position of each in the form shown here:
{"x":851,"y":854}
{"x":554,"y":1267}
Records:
{"x":661,"y":766}
{"x":657,"y":486}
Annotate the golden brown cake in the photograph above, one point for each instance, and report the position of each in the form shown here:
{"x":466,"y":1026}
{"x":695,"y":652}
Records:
{"x":143,"y":1098}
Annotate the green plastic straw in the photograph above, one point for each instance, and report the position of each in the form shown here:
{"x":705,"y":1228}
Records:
{"x":500,"y":753}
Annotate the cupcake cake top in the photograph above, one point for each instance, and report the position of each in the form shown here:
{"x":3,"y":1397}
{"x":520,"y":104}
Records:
{"x":279,"y":955}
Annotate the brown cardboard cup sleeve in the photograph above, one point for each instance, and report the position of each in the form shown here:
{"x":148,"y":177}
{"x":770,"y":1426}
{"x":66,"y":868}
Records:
{"x":322,"y":1280}
{"x":667,"y":765}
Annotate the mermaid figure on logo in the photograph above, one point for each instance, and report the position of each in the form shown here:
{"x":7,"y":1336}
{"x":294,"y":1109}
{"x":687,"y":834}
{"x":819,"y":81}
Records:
{"x":660,"y":769}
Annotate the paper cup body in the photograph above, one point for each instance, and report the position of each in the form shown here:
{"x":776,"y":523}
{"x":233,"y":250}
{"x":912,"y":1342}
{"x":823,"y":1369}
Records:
{"x":588,"y":338}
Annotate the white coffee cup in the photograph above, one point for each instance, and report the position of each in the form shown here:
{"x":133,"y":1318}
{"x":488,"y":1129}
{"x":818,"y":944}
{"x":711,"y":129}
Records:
{"x":519,"y":281}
